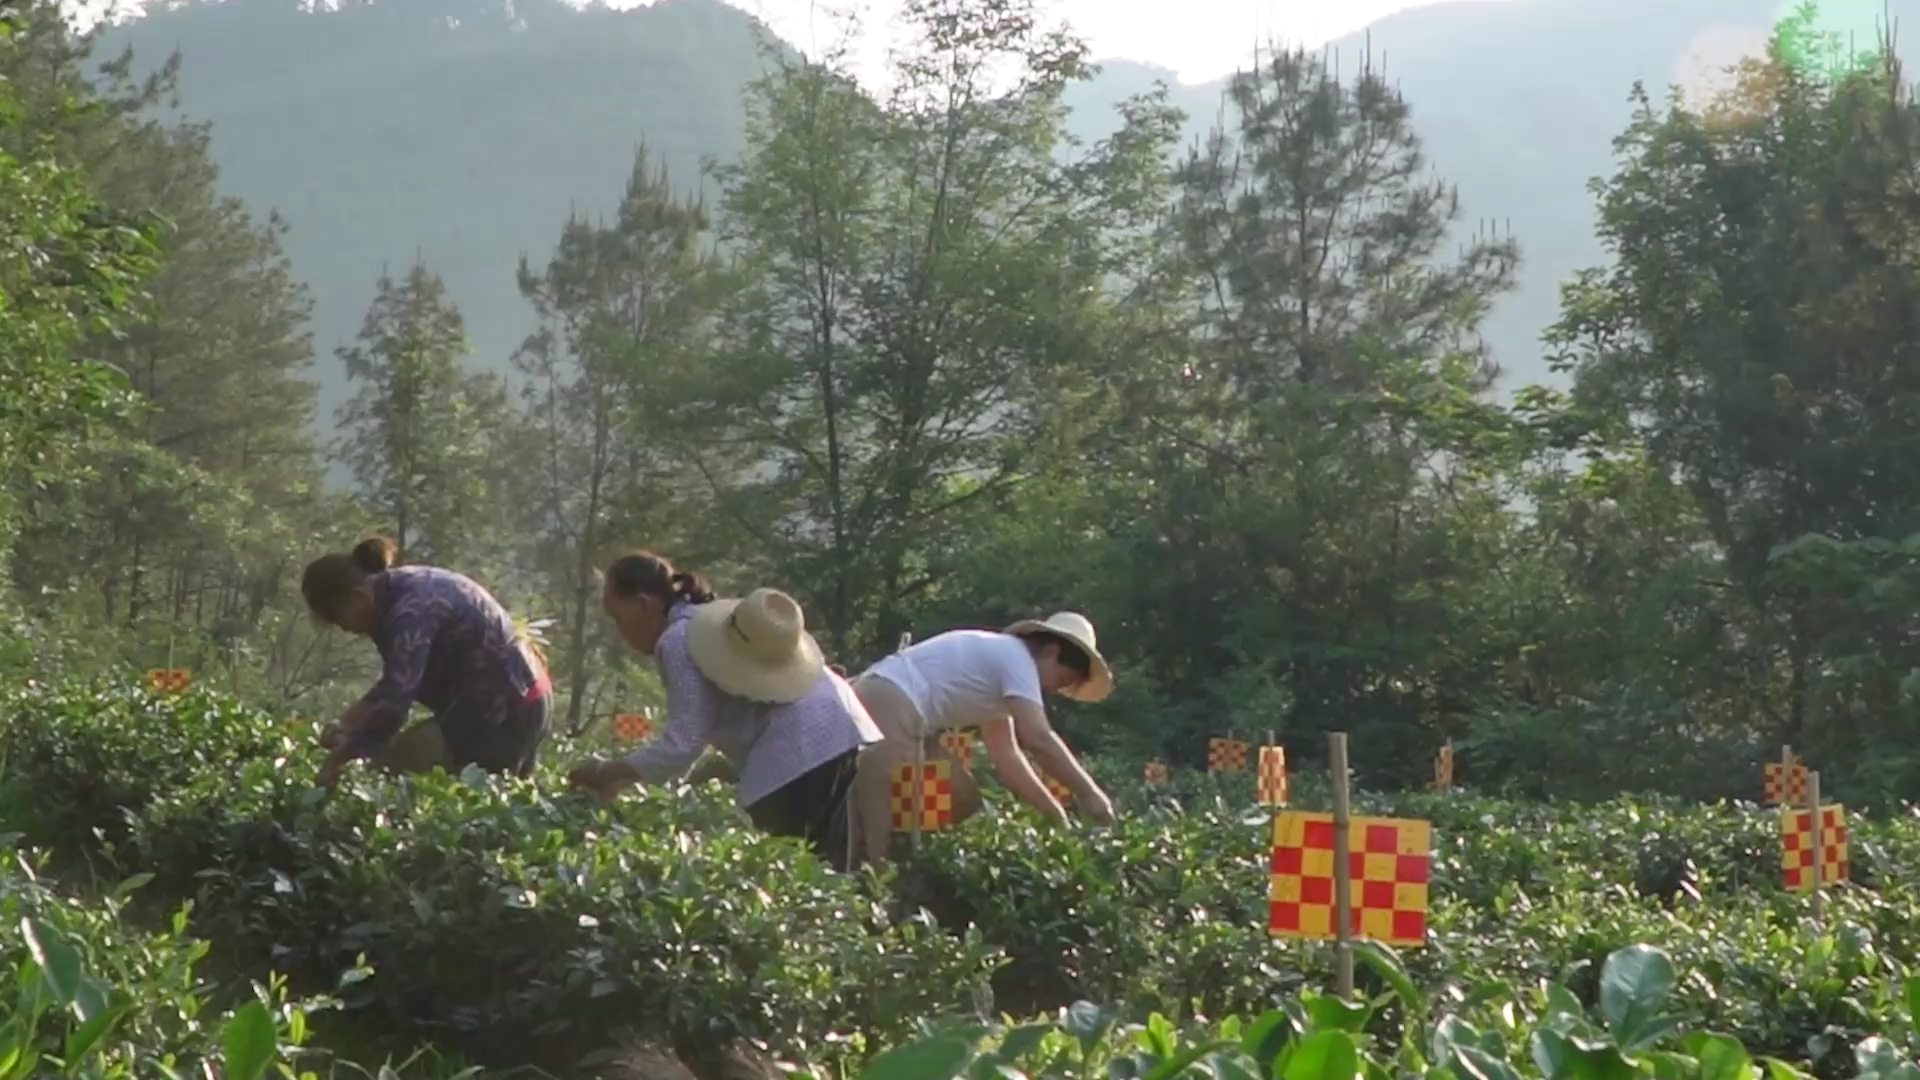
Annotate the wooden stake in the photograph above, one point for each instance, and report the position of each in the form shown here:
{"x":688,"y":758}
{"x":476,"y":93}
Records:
{"x":919,"y":765}
{"x":1819,"y":841}
{"x":1342,"y":870}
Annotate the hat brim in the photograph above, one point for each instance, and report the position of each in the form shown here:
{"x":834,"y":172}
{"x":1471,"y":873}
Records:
{"x":779,"y":684}
{"x":1099,"y":681}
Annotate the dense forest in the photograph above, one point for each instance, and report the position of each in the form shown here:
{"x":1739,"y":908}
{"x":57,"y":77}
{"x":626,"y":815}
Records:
{"x":925,"y":362}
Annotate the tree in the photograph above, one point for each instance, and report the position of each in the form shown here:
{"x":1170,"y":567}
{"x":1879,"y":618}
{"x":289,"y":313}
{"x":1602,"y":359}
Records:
{"x":420,"y":432}
{"x":1754,"y":338}
{"x":180,"y":516}
{"x":69,"y":267}
{"x":623,"y":306}
{"x":1304,"y":477}
{"x":924,"y":277}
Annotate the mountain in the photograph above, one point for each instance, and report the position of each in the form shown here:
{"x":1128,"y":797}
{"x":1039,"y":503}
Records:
{"x":459,"y":131}
{"x":1518,"y":102}
{"x":464,"y":131}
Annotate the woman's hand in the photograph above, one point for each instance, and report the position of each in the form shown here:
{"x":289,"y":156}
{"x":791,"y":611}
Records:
{"x":329,"y":773}
{"x":601,"y":777}
{"x":1099,"y":807}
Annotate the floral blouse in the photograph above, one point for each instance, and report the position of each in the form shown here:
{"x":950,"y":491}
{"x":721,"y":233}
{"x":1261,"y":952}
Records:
{"x":447,"y":644}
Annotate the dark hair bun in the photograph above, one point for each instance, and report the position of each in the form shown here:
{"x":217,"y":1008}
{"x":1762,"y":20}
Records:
{"x":691,"y":588}
{"x":375,"y":554}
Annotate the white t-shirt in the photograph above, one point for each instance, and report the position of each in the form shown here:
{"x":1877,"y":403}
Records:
{"x":963,"y":678}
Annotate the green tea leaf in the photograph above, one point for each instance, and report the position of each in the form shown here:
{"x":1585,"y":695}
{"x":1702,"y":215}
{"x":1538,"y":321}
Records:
{"x":1021,"y":1041}
{"x":1323,"y":1055}
{"x":1721,"y":1057}
{"x":250,"y":1042}
{"x":1483,"y":1066}
{"x":82,"y":1039}
{"x":1780,"y":1070}
{"x":1332,"y":1013}
{"x":940,"y":1058}
{"x":1087,"y":1022}
{"x":59,"y":963}
{"x":1178,"y":1063}
{"x":1267,"y":1038}
{"x":1634,"y":983}
{"x":1383,"y":961}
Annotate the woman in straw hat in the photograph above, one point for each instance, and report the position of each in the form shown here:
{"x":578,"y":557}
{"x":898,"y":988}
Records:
{"x":994,"y":681}
{"x":745,"y":678}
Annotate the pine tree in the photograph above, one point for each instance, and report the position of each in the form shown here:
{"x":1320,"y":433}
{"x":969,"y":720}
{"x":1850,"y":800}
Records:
{"x":419,"y":433}
{"x":624,"y":308}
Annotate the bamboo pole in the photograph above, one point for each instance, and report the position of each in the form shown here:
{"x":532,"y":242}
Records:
{"x":1258,"y":766}
{"x":919,"y":765}
{"x":1819,"y":842}
{"x":1342,"y":868}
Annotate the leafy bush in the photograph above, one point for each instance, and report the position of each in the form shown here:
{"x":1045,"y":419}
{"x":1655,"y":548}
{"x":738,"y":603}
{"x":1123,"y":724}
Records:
{"x":80,"y":758}
{"x":1164,"y":910}
{"x":1629,"y":1030}
{"x":98,"y":999}
{"x":517,"y":926}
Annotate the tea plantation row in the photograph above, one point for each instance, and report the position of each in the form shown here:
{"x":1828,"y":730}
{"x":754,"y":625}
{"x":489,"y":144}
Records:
{"x":516,"y":924}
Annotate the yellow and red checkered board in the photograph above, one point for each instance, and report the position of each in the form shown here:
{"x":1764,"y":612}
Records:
{"x":1226,"y":755}
{"x":1785,"y":784}
{"x":1271,"y":781}
{"x":632,"y":727}
{"x":959,"y":744}
{"x":1058,"y":789}
{"x":1388,"y":867}
{"x":936,"y":797}
{"x":1796,"y":847}
{"x":169,"y":680}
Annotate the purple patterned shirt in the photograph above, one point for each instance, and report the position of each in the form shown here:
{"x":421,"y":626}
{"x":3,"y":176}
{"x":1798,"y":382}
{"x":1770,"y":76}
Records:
{"x":773,"y":745}
{"x":444,"y":641}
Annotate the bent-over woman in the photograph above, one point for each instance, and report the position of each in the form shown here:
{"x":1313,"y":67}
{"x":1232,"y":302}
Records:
{"x":444,"y":642}
{"x":745,"y":678}
{"x":993,"y":680}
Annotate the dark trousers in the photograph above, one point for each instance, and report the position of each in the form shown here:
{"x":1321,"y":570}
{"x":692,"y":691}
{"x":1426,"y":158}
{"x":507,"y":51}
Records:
{"x":509,"y":747}
{"x":813,"y":807}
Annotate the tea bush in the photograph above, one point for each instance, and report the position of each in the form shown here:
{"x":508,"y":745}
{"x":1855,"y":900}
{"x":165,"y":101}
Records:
{"x":518,"y":925}
{"x":522,"y":924}
{"x":97,"y":998}
{"x":1629,"y":1030}
{"x":79,"y":758}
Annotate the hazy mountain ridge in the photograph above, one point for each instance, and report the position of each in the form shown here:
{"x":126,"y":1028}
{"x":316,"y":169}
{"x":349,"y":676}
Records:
{"x":517,"y":112}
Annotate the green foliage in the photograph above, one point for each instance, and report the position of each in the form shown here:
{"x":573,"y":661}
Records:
{"x":97,"y":999}
{"x":82,"y":757}
{"x":69,"y":265}
{"x":1503,"y":1031}
{"x":419,"y":430}
{"x":515,"y":926}
{"x":510,"y":924}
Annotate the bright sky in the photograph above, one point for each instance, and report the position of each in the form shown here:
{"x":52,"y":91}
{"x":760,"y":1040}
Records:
{"x":1199,"y":39}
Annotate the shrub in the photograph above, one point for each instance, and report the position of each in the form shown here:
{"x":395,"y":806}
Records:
{"x":516,"y":925}
{"x":80,"y":758}
{"x":99,"y":999}
{"x":1630,"y":1030}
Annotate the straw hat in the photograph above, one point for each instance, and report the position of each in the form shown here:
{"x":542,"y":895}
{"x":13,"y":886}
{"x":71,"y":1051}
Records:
{"x":757,"y":648}
{"x":1074,"y":627}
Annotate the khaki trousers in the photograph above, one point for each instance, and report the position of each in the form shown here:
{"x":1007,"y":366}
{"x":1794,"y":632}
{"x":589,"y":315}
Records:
{"x":872,"y":805}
